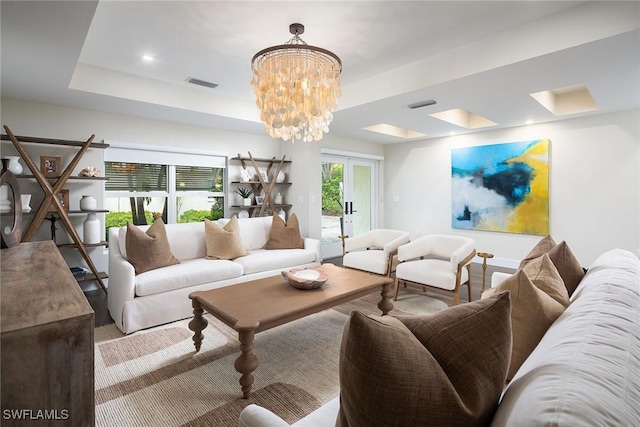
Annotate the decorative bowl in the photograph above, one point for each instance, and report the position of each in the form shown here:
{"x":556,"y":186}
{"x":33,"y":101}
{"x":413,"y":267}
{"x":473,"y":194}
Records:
{"x":304,"y":279}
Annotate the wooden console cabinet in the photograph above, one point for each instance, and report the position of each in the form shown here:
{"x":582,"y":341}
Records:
{"x":47,"y":370}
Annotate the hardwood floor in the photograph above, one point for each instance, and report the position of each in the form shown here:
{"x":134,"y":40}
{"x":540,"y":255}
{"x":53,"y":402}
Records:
{"x":98,"y":299}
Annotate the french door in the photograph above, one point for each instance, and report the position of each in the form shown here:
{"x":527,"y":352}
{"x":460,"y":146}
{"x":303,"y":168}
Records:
{"x":349,"y":195}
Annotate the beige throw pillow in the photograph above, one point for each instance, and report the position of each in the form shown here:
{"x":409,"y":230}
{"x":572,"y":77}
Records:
{"x":223,"y":243}
{"x":148,"y":250}
{"x":562,"y":257}
{"x":442,"y":369}
{"x":285,"y":236}
{"x":543,"y":246}
{"x":536,"y":302}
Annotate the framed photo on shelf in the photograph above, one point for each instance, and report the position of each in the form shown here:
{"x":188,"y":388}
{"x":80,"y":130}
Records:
{"x":259,"y":200}
{"x":63,"y":196}
{"x":50,"y":166}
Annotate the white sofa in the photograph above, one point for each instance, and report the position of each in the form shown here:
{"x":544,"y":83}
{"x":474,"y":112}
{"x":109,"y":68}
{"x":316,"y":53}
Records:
{"x":162,"y":295}
{"x":584,"y":372}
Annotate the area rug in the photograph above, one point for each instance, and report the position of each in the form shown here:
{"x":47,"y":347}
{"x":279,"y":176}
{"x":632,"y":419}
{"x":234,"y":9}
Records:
{"x":154,"y":377}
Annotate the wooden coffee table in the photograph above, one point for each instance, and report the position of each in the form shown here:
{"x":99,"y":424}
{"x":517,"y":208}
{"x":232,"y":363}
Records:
{"x":262,"y":304}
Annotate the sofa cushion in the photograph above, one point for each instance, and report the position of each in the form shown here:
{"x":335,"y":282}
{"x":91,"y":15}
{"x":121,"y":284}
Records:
{"x":536,"y":302}
{"x":285,"y":236}
{"x":189,"y":272}
{"x":254,"y":232}
{"x":585,"y":370}
{"x":261,"y":260}
{"x":149,"y":250}
{"x":444,"y":369}
{"x":186,"y":240}
{"x":223,"y":242}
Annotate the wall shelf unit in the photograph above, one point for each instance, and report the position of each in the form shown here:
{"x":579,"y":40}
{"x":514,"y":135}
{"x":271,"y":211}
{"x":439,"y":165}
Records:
{"x":264,"y":184}
{"x":52,"y":187}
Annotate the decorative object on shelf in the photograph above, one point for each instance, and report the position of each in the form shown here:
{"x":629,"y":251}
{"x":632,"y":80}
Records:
{"x":245,"y":175}
{"x":88,"y":203}
{"x":259,"y":200}
{"x":280,"y":177}
{"x":63,"y":196}
{"x":243,"y":214}
{"x":14,"y":165}
{"x":90,"y":171}
{"x":304,"y":279}
{"x":282,"y":214}
{"x":51,"y":167}
{"x":245,"y":193}
{"x":296,"y":86}
{"x":25,"y":199}
{"x":52,"y":219}
{"x":91,"y":229}
{"x":79,"y":271}
{"x":278,"y":199}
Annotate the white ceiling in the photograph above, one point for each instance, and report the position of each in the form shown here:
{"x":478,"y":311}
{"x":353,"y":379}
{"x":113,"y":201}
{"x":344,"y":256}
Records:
{"x":483,"y":56}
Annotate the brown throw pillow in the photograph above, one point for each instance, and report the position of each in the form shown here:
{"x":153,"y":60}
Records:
{"x":534,"y":306}
{"x":224,"y":243}
{"x":150,"y":250}
{"x":285,"y":236}
{"x":543,"y":246}
{"x":568,"y":266}
{"x":565,"y":261}
{"x":443,"y":369}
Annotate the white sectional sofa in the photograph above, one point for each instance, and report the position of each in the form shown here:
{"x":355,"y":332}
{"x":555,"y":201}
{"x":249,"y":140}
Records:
{"x":161,"y":296}
{"x":584,"y":372}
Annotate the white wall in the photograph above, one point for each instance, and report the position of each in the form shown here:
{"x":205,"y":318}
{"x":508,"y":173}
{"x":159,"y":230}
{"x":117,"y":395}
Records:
{"x":594,"y":186}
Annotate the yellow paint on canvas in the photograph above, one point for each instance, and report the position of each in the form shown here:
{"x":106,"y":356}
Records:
{"x":532,"y":215}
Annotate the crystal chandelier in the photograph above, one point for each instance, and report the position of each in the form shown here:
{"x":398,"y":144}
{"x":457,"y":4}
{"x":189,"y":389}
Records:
{"x":296,"y":87}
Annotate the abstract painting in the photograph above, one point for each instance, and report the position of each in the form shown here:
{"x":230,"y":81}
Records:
{"x":501,"y":187}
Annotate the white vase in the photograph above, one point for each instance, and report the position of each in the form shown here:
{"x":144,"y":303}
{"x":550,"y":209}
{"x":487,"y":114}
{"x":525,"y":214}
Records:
{"x":246,"y":202}
{"x":88,"y":203}
{"x":14,"y":165}
{"x":25,"y":199}
{"x":91,"y":229}
{"x":278,"y":199}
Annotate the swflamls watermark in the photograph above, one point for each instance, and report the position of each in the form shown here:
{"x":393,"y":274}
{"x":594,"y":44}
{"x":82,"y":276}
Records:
{"x":35,"y":414}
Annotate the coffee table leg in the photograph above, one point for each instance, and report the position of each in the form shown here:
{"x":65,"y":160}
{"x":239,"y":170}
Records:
{"x":247,"y":362}
{"x":197,"y":324}
{"x":385,"y":305}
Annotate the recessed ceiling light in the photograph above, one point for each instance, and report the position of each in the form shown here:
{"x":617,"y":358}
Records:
{"x":394,"y":131}
{"x":566,"y":100}
{"x":147,"y":58}
{"x":463,"y":118}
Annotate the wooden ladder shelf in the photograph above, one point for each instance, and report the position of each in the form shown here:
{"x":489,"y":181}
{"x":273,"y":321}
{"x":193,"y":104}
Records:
{"x":51,"y":192}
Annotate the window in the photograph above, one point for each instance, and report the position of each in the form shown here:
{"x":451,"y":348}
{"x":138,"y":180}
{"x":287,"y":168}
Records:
{"x":179,"y":187}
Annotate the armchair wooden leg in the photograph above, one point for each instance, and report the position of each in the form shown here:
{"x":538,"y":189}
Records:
{"x":456,"y":296}
{"x":396,"y":288}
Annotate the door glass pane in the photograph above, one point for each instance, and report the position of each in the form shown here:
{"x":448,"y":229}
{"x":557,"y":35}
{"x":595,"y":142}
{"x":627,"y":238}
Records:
{"x":332,"y":201}
{"x":361,"y":199}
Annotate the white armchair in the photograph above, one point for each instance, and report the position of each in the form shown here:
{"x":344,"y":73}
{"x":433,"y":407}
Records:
{"x":374,"y":250}
{"x":437,"y":261}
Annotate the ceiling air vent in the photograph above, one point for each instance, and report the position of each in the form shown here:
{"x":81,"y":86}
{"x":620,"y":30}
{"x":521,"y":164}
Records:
{"x":422,"y":104}
{"x":201,"y":83}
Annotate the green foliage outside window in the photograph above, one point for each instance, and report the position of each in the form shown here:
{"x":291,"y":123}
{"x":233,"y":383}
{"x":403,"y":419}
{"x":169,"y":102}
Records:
{"x":332,"y":189}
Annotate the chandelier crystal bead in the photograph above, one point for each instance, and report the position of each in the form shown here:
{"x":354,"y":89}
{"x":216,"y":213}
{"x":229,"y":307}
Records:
{"x":296,"y":87}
